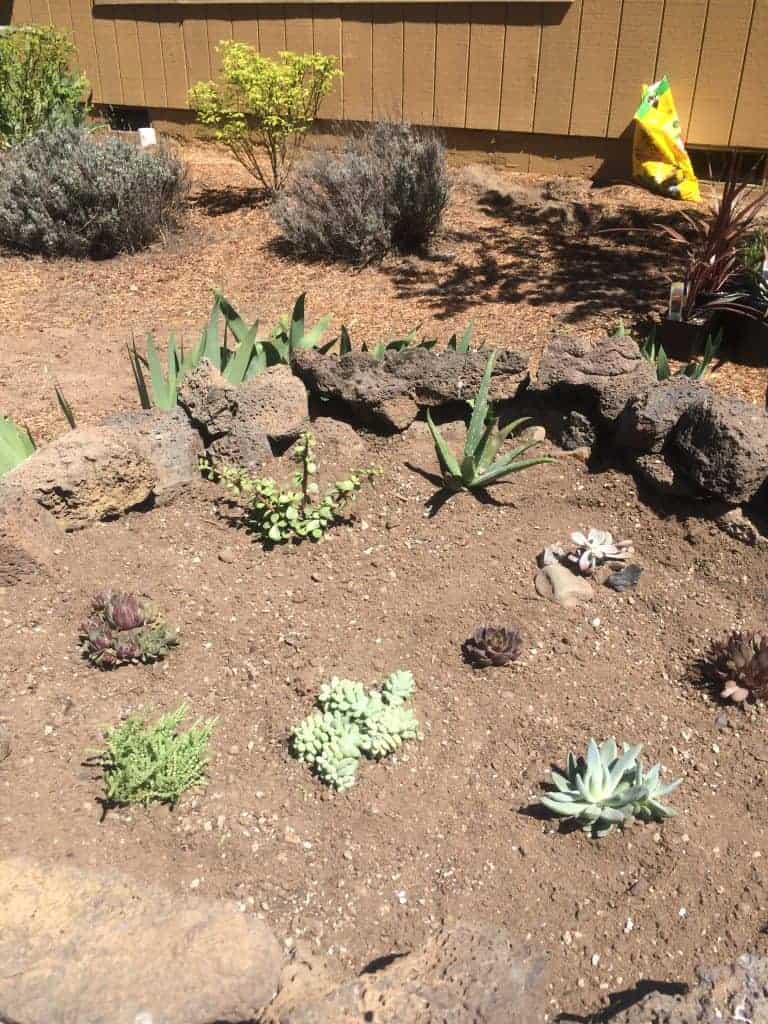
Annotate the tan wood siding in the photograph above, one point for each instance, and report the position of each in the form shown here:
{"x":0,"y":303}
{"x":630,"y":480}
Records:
{"x":567,"y":68}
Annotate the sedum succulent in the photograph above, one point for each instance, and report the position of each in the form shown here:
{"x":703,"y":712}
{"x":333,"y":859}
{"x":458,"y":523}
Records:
{"x":351,"y":723}
{"x":493,"y":645}
{"x":596,"y":547}
{"x":608,"y":788}
{"x":741,"y":665}
{"x":124,"y":628}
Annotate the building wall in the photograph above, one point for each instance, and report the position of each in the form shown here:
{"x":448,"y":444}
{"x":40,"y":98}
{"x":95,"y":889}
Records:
{"x":544,"y":69}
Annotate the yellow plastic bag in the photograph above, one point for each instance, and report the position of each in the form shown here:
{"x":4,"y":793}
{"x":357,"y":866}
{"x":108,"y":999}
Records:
{"x":659,"y":158}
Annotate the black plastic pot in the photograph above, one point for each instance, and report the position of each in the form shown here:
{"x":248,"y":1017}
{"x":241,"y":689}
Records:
{"x":746,"y":338}
{"x":685,"y":339}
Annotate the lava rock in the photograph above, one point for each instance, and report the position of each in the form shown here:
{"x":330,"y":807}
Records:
{"x":464,"y":973}
{"x":648,"y":419}
{"x":237,"y":424}
{"x":735,"y":991}
{"x":624,"y":579}
{"x":388,"y":393}
{"x":29,"y":538}
{"x":169,"y":442}
{"x":87,"y":475}
{"x":655,"y":473}
{"x":81,"y":946}
{"x":595,"y":378}
{"x":721,"y":446}
{"x":574,"y":431}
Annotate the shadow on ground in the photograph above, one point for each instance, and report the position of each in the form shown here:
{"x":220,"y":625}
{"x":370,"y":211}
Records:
{"x":582,"y":254}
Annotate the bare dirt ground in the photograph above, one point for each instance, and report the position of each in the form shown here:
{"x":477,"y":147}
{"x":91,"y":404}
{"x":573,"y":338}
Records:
{"x":449,"y":827}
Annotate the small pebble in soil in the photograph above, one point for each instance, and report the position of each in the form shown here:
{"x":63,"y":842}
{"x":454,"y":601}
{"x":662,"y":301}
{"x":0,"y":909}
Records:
{"x":625,"y":579}
{"x":226,"y":555}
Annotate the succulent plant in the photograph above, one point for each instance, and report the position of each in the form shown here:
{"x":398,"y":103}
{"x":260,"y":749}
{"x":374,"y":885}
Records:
{"x":493,"y":645}
{"x":608,"y":788}
{"x":351,"y":723}
{"x":596,"y":547}
{"x":123,"y":628}
{"x":741,"y":665}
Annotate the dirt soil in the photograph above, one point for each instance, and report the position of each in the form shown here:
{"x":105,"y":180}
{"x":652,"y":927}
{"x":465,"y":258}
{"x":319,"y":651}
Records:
{"x":449,"y":827}
{"x":521,"y":255}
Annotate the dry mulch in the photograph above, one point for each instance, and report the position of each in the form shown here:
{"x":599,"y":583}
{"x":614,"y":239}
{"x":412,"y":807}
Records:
{"x":521,"y":255}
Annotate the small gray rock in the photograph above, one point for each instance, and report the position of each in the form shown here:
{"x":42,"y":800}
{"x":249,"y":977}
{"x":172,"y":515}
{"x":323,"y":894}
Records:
{"x":575,"y":431}
{"x":5,"y":743}
{"x":624,"y":579}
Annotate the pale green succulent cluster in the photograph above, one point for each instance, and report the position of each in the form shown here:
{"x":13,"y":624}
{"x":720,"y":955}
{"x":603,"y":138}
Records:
{"x":351,"y":723}
{"x":608,"y":788}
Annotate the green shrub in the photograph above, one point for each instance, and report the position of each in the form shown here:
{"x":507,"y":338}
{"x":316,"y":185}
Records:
{"x":144,"y":763}
{"x":37,"y":88}
{"x":386,"y":190}
{"x":65,"y":193}
{"x":16,"y":444}
{"x":264,"y":107}
{"x":277,"y":514}
{"x":351,"y":723}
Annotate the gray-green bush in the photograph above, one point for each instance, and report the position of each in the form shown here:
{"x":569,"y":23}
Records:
{"x":386,"y":190}
{"x":38,"y":89}
{"x":65,"y":192}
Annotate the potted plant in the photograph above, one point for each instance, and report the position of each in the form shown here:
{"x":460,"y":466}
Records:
{"x":749,"y":333}
{"x":712,"y":294}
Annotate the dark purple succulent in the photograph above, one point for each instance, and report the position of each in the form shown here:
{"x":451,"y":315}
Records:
{"x":493,"y":645}
{"x":124,"y":628}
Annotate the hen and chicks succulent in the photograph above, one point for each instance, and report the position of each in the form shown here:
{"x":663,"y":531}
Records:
{"x":493,"y":645}
{"x":595,"y":548}
{"x":741,"y":666}
{"x":124,"y":629}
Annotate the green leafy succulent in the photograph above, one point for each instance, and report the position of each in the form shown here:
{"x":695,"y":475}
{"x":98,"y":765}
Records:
{"x":143,"y":763}
{"x":608,"y":788}
{"x":696,"y":369}
{"x":351,"y":723}
{"x":277,"y":514}
{"x":481,"y":464}
{"x":16,"y":444}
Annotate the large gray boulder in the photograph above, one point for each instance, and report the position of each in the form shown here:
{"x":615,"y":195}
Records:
{"x":387,"y":393}
{"x":464,"y":974}
{"x":720,"y":444}
{"x":77,"y":946}
{"x":595,"y":378}
{"x":649,"y":419}
{"x":238,"y":423}
{"x":737,"y":991}
{"x":87,"y":475}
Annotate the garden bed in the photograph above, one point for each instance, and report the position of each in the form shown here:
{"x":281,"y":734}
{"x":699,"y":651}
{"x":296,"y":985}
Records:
{"x":447,"y":828}
{"x":521,"y":256}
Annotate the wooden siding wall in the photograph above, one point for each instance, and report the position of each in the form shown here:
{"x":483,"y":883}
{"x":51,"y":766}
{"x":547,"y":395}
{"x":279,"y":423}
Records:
{"x":543,"y":68}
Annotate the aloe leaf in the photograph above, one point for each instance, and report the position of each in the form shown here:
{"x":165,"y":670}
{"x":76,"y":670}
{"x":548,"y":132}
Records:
{"x":566,"y":810}
{"x":314,"y":335}
{"x":477,"y":422}
{"x":345,"y":342}
{"x":446,"y":458}
{"x":258,"y":362}
{"x":561,"y":782}
{"x":65,"y":407}
{"x":211,"y":347}
{"x":624,"y":763}
{"x":663,"y":371}
{"x":296,"y":328}
{"x":237,"y":366}
{"x":504,"y":468}
{"x":162,"y":395}
{"x":16,"y":445}
{"x":240,"y":330}
{"x":138,"y":375}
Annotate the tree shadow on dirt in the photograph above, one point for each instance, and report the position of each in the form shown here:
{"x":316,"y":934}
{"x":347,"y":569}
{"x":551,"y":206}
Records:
{"x":540,"y":253}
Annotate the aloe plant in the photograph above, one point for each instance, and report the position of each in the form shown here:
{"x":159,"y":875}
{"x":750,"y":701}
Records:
{"x":399,"y":344}
{"x":16,"y":444}
{"x":695,"y":369}
{"x":481,"y":465}
{"x":249,"y":357}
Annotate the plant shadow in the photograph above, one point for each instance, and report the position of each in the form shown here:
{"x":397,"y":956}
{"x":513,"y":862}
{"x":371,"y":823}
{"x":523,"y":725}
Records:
{"x":216,"y":202}
{"x":541,"y":253}
{"x":623,"y":1000}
